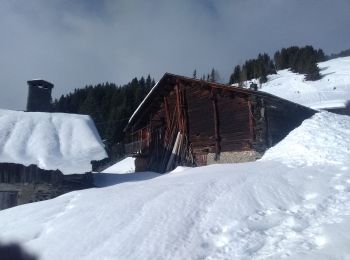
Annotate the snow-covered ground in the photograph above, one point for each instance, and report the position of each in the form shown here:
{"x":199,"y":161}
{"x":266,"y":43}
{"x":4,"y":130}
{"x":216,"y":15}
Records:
{"x":331,"y":91}
{"x":126,"y":165}
{"x":51,"y":141}
{"x":275,"y":208}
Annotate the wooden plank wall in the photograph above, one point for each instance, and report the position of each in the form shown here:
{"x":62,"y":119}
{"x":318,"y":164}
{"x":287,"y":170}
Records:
{"x":200,"y":119}
{"x":164,"y":125}
{"x":205,"y":108}
{"x":17,"y":173}
{"x":234,"y":123}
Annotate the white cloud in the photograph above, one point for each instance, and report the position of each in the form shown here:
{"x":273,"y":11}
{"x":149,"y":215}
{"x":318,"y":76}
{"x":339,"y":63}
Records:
{"x":73,"y":43}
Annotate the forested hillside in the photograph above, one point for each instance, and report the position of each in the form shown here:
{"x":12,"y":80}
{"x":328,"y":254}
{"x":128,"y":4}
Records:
{"x":109,"y":105}
{"x":301,"y":60}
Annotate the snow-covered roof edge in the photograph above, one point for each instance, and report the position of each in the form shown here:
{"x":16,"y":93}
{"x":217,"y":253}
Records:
{"x":142,"y":102}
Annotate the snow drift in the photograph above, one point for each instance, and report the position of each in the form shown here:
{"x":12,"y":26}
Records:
{"x":126,"y":165}
{"x":257,"y":210}
{"x":51,"y":141}
{"x":322,"y":139}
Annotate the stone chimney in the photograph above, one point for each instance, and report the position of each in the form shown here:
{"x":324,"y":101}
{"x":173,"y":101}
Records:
{"x":39,"y":96}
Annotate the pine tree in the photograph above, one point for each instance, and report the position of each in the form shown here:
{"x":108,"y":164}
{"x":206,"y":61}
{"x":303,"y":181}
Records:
{"x":312,"y":71}
{"x":212,"y":76}
{"x":235,"y":76}
{"x":300,"y":60}
{"x":148,"y":82}
{"x":194,"y":75}
{"x":243,"y":76}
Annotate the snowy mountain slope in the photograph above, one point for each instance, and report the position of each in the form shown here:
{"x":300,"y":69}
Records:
{"x":270,"y":209}
{"x":51,"y":141}
{"x":331,"y":91}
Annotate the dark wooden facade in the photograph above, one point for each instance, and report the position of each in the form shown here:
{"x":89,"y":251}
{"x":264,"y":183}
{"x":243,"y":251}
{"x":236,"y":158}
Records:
{"x":186,"y":121}
{"x":24,"y":184}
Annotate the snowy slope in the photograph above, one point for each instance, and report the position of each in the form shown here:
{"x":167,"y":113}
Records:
{"x":300,"y":147}
{"x":331,"y":91}
{"x":49,"y":140}
{"x":126,"y":165}
{"x":270,"y":209}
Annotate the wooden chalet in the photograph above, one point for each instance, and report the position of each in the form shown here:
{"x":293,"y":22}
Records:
{"x":185,"y":121}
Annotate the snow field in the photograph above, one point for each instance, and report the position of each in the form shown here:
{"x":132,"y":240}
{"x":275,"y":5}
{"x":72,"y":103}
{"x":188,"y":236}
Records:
{"x":292,"y":204}
{"x":332,"y":90}
{"x":257,"y":210}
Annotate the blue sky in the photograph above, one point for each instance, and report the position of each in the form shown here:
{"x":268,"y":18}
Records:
{"x":75,"y":43}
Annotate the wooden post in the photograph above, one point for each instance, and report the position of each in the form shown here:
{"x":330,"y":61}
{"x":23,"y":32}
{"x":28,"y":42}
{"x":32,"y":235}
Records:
{"x":216,"y":127}
{"x":178,"y":108}
{"x":167,"y":116}
{"x":251,"y":122}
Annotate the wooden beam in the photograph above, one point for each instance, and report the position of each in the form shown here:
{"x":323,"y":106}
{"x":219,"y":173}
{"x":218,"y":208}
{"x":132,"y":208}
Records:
{"x":167,"y":116}
{"x":178,"y":108}
{"x":251,"y":120}
{"x":216,"y":126}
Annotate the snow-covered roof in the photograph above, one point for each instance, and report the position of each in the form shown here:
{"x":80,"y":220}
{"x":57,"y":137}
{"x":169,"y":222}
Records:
{"x":66,"y":142}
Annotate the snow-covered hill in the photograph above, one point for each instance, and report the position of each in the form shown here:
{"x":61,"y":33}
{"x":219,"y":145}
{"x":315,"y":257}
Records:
{"x":269,"y":209}
{"x":331,"y":91}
